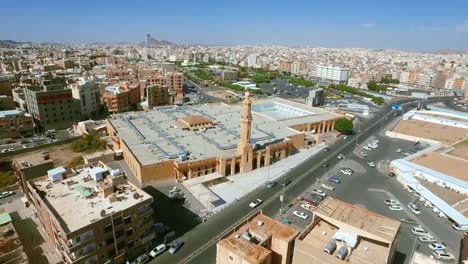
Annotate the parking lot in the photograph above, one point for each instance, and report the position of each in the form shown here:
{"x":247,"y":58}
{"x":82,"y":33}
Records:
{"x":379,"y":187}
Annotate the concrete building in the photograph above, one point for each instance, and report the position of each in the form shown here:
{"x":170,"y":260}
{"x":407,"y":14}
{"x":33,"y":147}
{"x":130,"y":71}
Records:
{"x":92,"y":214}
{"x":296,"y":67}
{"x":11,"y":248}
{"x":15,"y":124}
{"x":252,"y":60}
{"x":439,"y":80}
{"x":349,"y":233}
{"x":158,"y":95}
{"x":52,"y":106}
{"x":175,"y":83}
{"x":316,"y":98}
{"x":226,"y":75}
{"x":30,"y":166}
{"x":270,"y":130}
{"x":121,"y":97}
{"x":332,"y":74}
{"x":284,"y":66}
{"x":260,"y":240}
{"x":87,"y":92}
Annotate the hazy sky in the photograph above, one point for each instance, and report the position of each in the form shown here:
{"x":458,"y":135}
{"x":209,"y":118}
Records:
{"x":401,"y":24}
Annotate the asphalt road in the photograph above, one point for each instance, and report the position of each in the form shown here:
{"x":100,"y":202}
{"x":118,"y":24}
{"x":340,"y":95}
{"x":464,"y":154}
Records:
{"x":200,"y":242}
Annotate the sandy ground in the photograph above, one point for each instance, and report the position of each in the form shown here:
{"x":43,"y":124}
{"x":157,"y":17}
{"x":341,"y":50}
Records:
{"x":446,"y":134}
{"x":61,"y":154}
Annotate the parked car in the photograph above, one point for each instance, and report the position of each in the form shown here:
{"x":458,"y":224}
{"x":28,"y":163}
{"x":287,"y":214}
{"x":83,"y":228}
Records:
{"x":414,"y":208}
{"x":391,"y":202}
{"x":367,"y":148}
{"x":391,"y":174}
{"x":328,"y":187}
{"x":346,"y":171}
{"x":307,"y":206}
{"x":399,"y":150}
{"x":363,"y":154}
{"x":459,"y":227}
{"x":176,"y":245}
{"x":142,"y":259}
{"x":158,"y":250}
{"x":326,"y":149}
{"x":443,"y":255}
{"x":319,"y":192}
{"x":395,"y":208}
{"x":6,"y":194}
{"x":418,"y":231}
{"x":437,"y":246}
{"x":300,"y":214}
{"x":427,"y":238}
{"x":255,"y":203}
{"x":371,"y":163}
{"x":334,"y":179}
{"x":271,"y":184}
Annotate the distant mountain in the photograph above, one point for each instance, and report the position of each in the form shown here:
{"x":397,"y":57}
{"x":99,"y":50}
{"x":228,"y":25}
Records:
{"x":450,"y":51}
{"x":155,"y":42}
{"x":10,"y":43}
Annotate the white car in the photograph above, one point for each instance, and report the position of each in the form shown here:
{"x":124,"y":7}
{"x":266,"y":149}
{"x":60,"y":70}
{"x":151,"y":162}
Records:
{"x":307,"y":206}
{"x":399,"y":150}
{"x":437,"y":246}
{"x":395,"y":208}
{"x":255,"y":203}
{"x":427,"y":238}
{"x":443,"y":255}
{"x":413,"y":208}
{"x":367,"y":148}
{"x":328,"y":187}
{"x":371,"y":163}
{"x":363,"y":154}
{"x":300,"y":214}
{"x":340,"y":156}
{"x":373,"y":146}
{"x":320,"y":192}
{"x":418,"y":231}
{"x":346,"y":171}
{"x":158,"y":250}
{"x":391,"y":202}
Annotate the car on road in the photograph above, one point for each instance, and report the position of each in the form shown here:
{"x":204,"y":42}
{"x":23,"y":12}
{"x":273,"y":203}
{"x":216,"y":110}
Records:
{"x":405,"y":153}
{"x":271,"y":184}
{"x":399,"y":150}
{"x":6,"y":194}
{"x":418,"y":230}
{"x":319,"y":192}
{"x":326,"y":149}
{"x":391,"y":174}
{"x":328,"y":187}
{"x":307,"y":206}
{"x":373,"y":146}
{"x":443,"y":255}
{"x":427,"y":238}
{"x":300,"y":214}
{"x":395,"y":208}
{"x":334,"y":179}
{"x":325,"y":165}
{"x":391,"y":202}
{"x":286,"y":183}
{"x":414,"y":208}
{"x":367,"y":148}
{"x":345,"y":137}
{"x":438,"y":246}
{"x":346,"y":171}
{"x":371,"y":164}
{"x":340,"y":156}
{"x":255,"y":203}
{"x":158,"y":250}
{"x":176,"y":245}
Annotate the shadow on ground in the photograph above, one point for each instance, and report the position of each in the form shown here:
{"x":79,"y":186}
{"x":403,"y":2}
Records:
{"x":399,"y":257}
{"x":30,"y":238}
{"x":172,"y":213}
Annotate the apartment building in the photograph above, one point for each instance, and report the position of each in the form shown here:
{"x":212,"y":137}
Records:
{"x":332,"y":74}
{"x":175,"y":82}
{"x":226,"y":75}
{"x":285,"y":66}
{"x":158,"y":95}
{"x":260,"y":240}
{"x":92,"y":214}
{"x":121,"y":97}
{"x":11,"y":249}
{"x":31,"y":166}
{"x":343,"y":233}
{"x":87,"y":92}
{"x":15,"y":123}
{"x":52,"y":106}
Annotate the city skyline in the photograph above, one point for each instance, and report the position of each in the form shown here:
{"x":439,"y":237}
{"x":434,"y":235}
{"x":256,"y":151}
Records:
{"x":363,"y":24}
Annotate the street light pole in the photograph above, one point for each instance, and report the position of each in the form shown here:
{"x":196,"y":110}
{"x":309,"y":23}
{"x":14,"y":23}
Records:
{"x":357,"y":137}
{"x":282,"y":195}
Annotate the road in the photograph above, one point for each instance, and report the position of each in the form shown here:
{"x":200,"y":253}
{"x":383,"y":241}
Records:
{"x":200,"y":242}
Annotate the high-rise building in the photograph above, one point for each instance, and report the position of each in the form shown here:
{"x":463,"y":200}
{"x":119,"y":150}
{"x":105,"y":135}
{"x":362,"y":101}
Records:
{"x":285,"y":66}
{"x":157,"y":95}
{"x":332,"y":74}
{"x":252,"y":60}
{"x":316,"y":97}
{"x":148,"y":40}
{"x":121,"y":97}
{"x":92,"y":214}
{"x":87,"y":92}
{"x":295,"y":67}
{"x":52,"y":106}
{"x":439,"y":80}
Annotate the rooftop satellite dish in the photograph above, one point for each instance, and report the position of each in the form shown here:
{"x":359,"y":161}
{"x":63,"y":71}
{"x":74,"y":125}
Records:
{"x":136,"y":196}
{"x":103,"y":213}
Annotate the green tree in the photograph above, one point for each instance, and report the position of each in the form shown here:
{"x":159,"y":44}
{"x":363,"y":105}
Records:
{"x":89,"y":143}
{"x":344,"y":126}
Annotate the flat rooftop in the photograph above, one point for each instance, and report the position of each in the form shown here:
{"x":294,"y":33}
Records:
{"x":456,"y":200}
{"x":253,"y":251}
{"x":154,"y":136}
{"x":75,"y":211}
{"x":454,"y":167}
{"x":447,"y":135}
{"x":460,"y":150}
{"x":372,"y":224}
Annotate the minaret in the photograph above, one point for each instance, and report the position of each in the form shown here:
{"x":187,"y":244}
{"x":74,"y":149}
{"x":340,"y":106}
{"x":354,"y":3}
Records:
{"x":244,"y":147}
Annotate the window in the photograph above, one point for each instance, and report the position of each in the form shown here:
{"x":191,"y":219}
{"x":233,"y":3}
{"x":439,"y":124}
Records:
{"x":230,"y":258}
{"x":108,"y":228}
{"x":128,"y":219}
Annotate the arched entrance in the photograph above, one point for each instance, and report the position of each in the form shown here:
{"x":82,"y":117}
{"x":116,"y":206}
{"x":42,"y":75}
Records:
{"x":237,"y":168}
{"x":228,"y":170}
